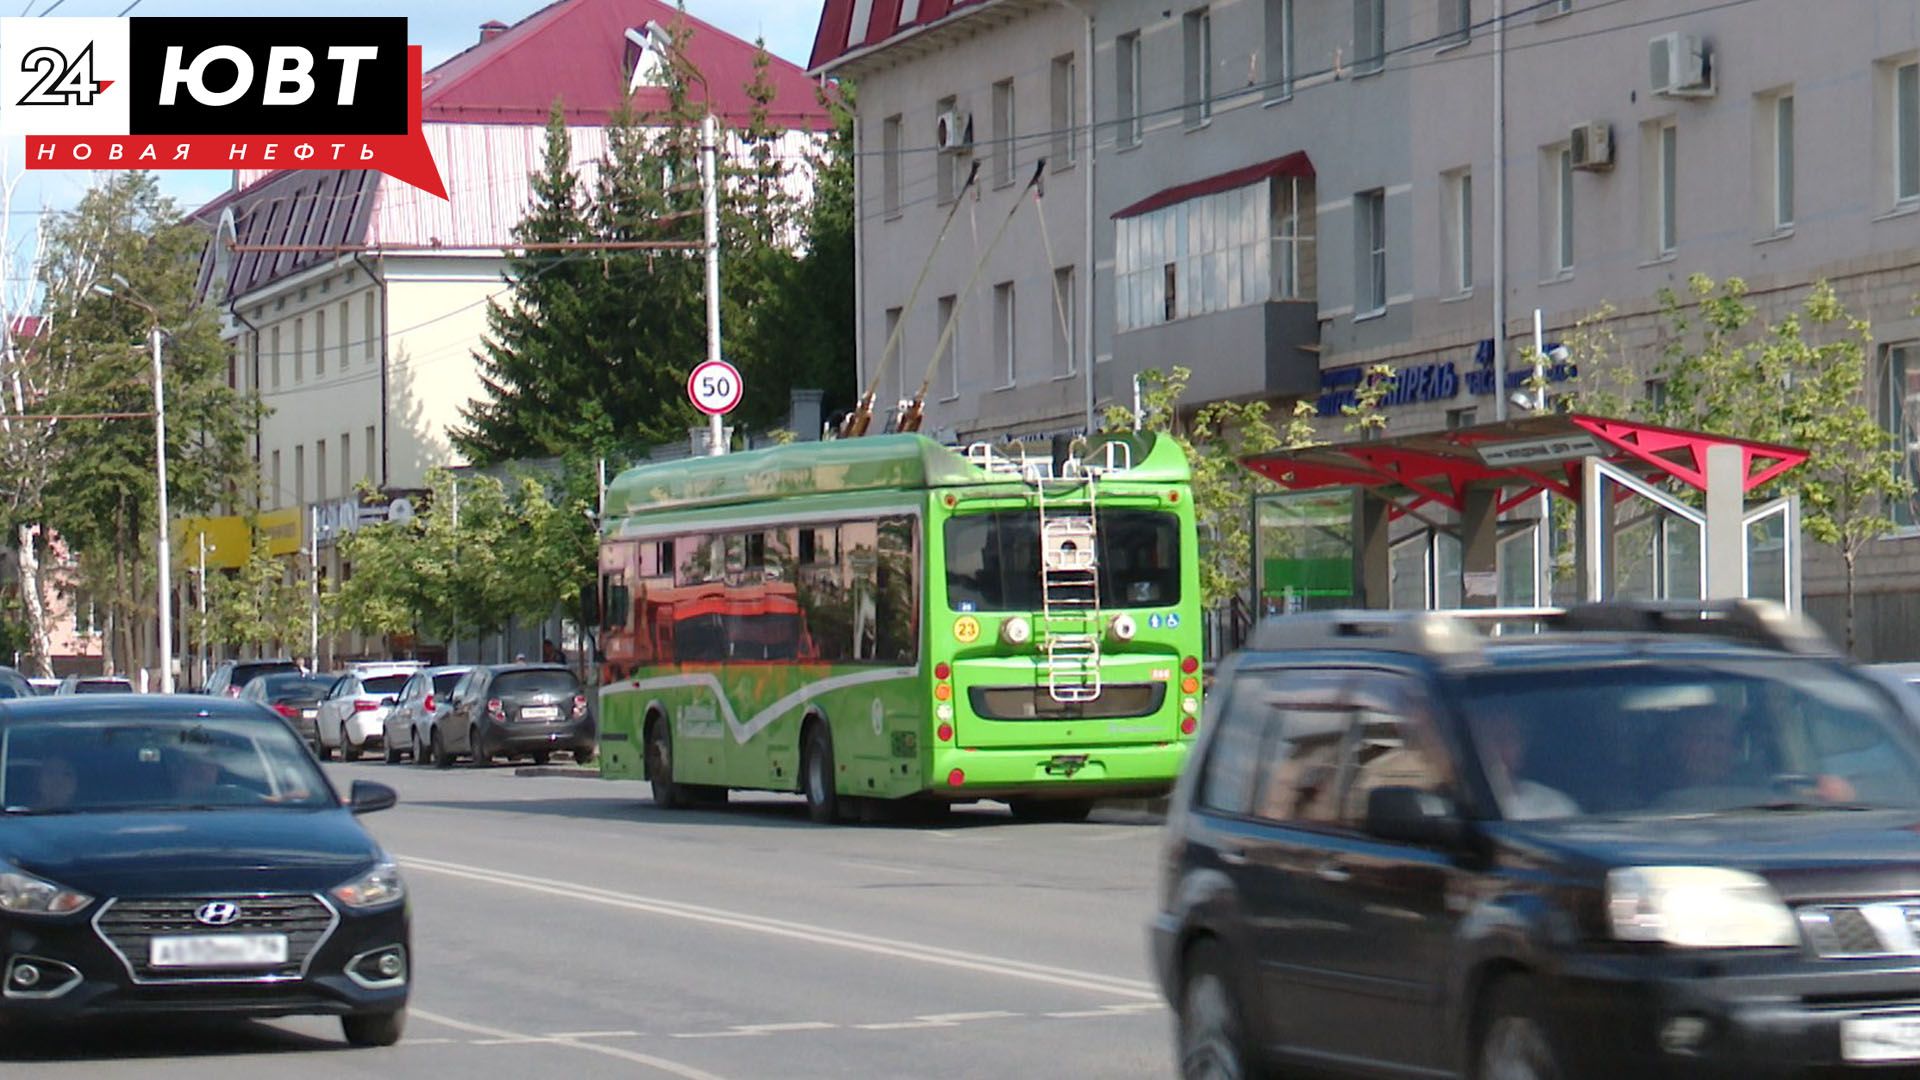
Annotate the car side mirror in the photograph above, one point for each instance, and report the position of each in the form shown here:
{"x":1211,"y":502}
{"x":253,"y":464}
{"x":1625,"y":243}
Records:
{"x":1406,"y":815}
{"x":367,"y":797}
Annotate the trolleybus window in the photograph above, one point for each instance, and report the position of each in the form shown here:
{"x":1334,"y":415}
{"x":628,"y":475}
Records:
{"x":993,"y":560}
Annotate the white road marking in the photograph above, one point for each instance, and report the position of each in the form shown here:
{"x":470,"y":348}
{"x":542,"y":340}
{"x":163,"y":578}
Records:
{"x":1102,"y":1012}
{"x":818,"y":935}
{"x":965,"y":1017}
{"x":748,"y":1031}
{"x":882,"y":868}
{"x":594,"y":1035}
{"x":685,"y":1072}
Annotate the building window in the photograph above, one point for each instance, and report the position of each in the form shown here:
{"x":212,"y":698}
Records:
{"x":300,"y":475}
{"x":1293,"y":251}
{"x":342,"y":327}
{"x":890,"y":164}
{"x":1906,"y":132}
{"x":1555,"y":7}
{"x":273,"y":347}
{"x":948,"y":163}
{"x":1900,"y":414}
{"x":1456,"y":237}
{"x":1198,"y":28}
{"x":1369,"y":36}
{"x":898,"y":354}
{"x":947,"y":310}
{"x":1066,"y":91}
{"x":346,"y":465}
{"x":368,"y":443}
{"x":1004,"y":147}
{"x":1460,"y":418}
{"x":1066,"y":324}
{"x":1005,"y":343}
{"x":1556,"y":212}
{"x":1279,"y":49}
{"x":1669,"y":188}
{"x":319,"y":344}
{"x":1773,"y":160}
{"x":320,"y":469}
{"x":370,"y":336}
{"x":251,"y":375}
{"x":1370,"y":213}
{"x":1126,"y":87}
{"x":299,"y":350}
{"x":273,"y":478}
{"x":1456,"y":21}
{"x":857,"y":29}
{"x":1215,"y":252}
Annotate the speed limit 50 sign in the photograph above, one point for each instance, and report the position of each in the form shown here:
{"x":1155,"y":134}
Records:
{"x":714,"y":388}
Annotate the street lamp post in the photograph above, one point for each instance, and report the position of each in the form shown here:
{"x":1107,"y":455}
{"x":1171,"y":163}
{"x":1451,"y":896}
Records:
{"x":164,"y":554}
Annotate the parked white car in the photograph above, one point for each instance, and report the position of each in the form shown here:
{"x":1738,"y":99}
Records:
{"x":352,"y":717}
{"x":423,"y":701}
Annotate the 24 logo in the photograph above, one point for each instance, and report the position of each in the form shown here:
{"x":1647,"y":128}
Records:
{"x":61,"y":82}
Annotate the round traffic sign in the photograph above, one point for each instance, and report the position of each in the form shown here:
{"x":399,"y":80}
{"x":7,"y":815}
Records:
{"x":714,"y":387}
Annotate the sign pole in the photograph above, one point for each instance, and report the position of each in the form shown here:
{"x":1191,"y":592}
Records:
{"x":710,"y":175}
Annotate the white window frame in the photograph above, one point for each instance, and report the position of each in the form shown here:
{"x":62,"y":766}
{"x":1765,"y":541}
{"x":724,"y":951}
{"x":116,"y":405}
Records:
{"x":1280,"y":50}
{"x":1556,"y":212}
{"x":1667,"y":235}
{"x":1456,"y":22}
{"x":1370,"y":220}
{"x":1899,"y":416}
{"x":891,"y":131}
{"x":1127,"y":72}
{"x":1064,"y":110}
{"x":1006,"y":331}
{"x":1457,"y":239}
{"x":1905,"y":117}
{"x":1066,"y":321}
{"x":1197,"y":35}
{"x":1210,"y":253}
{"x":1005,"y":134}
{"x":1370,"y":34}
{"x":1293,"y":215}
{"x":319,"y":343}
{"x":947,"y":310}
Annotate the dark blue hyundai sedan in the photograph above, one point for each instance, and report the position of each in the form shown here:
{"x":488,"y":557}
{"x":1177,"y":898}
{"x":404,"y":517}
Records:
{"x":181,"y":854}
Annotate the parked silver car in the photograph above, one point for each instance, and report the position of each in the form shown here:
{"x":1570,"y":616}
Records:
{"x":423,"y":701}
{"x":352,"y":717}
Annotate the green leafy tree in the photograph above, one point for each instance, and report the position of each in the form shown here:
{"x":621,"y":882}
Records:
{"x":1217,"y":437}
{"x":262,"y":606}
{"x":101,"y":499}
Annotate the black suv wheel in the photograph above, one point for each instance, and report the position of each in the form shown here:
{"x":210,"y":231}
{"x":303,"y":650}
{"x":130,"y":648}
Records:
{"x":1213,"y":1038}
{"x":1514,"y":1044}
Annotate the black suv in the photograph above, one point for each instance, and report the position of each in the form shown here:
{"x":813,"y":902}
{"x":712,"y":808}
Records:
{"x":232,"y":676}
{"x":1642,"y":842}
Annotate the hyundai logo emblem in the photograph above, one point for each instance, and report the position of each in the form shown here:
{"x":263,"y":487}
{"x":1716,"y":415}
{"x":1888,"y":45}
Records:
{"x":217,"y":913}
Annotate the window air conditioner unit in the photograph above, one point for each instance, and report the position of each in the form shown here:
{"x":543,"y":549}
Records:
{"x":1680,"y":66}
{"x":1591,"y":146}
{"x":952,"y":131}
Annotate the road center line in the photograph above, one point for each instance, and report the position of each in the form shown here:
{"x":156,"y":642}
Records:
{"x":1004,"y":967}
{"x":504,"y":1037}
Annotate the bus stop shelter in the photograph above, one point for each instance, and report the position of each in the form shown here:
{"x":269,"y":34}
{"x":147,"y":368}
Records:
{"x":1647,"y":511}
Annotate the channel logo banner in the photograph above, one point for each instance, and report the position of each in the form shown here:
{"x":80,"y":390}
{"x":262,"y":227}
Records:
{"x":160,"y":93}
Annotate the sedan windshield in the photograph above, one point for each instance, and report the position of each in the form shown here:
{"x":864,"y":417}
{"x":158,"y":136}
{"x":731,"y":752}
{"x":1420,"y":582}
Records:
{"x":70,"y":765}
{"x":1657,"y":739}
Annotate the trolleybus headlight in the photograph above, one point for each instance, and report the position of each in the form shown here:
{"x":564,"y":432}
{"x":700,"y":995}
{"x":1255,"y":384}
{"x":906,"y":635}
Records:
{"x":1123,"y":627}
{"x":1016,"y":631}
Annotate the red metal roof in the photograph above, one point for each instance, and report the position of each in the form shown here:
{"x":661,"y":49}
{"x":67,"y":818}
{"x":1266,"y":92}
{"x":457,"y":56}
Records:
{"x":1294,"y":164}
{"x":577,"y":51}
{"x":1532,"y":454}
{"x":883,"y":23}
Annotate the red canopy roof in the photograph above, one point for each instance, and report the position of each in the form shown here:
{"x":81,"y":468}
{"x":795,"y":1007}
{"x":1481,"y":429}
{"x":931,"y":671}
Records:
{"x":1532,"y":454}
{"x":1294,"y":164}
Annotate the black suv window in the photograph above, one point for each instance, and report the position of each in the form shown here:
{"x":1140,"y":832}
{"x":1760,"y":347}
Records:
{"x":1394,"y":743}
{"x":1278,"y":753}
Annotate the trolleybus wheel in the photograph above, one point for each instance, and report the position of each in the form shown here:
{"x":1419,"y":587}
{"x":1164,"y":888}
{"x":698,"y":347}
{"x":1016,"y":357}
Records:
{"x":816,"y":775}
{"x":666,"y":794}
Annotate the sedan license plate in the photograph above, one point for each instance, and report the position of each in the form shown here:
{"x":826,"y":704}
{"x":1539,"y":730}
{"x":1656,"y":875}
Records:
{"x":307,"y":714}
{"x":1881,"y":1038}
{"x":540,"y":712}
{"x":217,"y":951}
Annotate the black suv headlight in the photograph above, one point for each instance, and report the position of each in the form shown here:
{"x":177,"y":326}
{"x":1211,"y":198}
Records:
{"x":1698,"y":907}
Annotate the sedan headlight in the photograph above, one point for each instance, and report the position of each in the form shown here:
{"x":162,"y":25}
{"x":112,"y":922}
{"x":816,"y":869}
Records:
{"x":1698,"y":907}
{"x":24,"y":894}
{"x":378,"y":886}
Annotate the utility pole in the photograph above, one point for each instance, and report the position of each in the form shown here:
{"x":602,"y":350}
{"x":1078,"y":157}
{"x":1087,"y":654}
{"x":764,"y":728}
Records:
{"x":710,"y":182}
{"x":165,"y":545}
{"x":313,"y":589}
{"x":1499,"y":209}
{"x":206,"y":643}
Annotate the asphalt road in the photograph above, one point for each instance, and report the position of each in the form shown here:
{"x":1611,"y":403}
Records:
{"x":565,"y":926}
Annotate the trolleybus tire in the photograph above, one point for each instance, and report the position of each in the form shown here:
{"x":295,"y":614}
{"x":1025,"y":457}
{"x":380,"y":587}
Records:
{"x":816,"y":775}
{"x":1051,"y":809}
{"x":659,"y":761}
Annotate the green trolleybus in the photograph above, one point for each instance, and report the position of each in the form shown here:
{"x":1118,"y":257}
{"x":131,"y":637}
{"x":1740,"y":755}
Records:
{"x":881,"y":620}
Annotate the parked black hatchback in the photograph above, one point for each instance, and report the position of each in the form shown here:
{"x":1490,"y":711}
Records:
{"x":1634,"y":845}
{"x":186,"y":854}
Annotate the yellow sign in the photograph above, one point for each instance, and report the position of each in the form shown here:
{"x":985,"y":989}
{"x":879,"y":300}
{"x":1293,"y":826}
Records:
{"x":966,"y":629}
{"x":230,"y":541}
